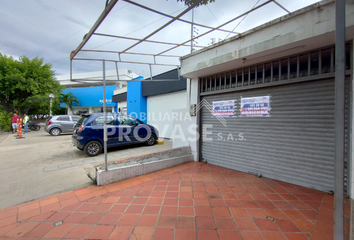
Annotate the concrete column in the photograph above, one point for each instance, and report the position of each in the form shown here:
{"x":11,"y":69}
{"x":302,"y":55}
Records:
{"x":194,"y":98}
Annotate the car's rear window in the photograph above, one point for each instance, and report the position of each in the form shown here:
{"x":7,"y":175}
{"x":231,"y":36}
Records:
{"x":82,"y":120}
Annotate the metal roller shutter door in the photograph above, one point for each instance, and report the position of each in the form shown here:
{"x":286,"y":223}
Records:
{"x":295,"y":144}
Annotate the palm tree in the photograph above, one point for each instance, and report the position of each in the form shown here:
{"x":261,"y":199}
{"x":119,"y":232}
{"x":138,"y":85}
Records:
{"x":68,"y":99}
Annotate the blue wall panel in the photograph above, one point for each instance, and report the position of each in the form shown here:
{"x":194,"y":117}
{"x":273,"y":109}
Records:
{"x":92,"y":96}
{"x":136,"y":103}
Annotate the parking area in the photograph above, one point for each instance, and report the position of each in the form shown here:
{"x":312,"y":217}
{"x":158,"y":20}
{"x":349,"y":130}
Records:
{"x":40,"y":165}
{"x":193,"y":201}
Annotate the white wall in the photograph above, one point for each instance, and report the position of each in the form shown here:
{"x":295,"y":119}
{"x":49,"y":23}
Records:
{"x":159,"y":110}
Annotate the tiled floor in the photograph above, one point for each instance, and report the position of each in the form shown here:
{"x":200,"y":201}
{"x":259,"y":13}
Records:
{"x":188,"y":202}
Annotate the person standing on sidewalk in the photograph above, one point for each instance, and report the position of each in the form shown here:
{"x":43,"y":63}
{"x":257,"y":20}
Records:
{"x":14,"y":122}
{"x":25,"y":121}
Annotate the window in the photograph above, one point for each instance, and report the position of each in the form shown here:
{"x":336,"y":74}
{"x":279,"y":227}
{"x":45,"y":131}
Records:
{"x":63,"y":118}
{"x":109,"y":120}
{"x":127,"y":120}
{"x":75,"y":118}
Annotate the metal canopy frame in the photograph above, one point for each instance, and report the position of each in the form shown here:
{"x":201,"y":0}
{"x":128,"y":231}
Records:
{"x":137,"y":41}
{"x":339,"y":83}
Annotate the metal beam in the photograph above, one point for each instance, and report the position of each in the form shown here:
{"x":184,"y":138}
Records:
{"x":138,"y":39}
{"x":107,"y":60}
{"x":160,"y":28}
{"x":281,"y":6}
{"x":143,"y":54}
{"x":182,"y":20}
{"x":340,"y":35}
{"x":239,"y":16}
{"x":103,"y":15}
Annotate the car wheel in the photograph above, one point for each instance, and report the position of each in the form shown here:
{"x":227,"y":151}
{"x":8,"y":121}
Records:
{"x":151,"y":141}
{"x":55,"y":131}
{"x":93,"y":148}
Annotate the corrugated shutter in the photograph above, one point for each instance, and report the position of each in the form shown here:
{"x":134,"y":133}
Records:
{"x":347,"y":127}
{"x":295,"y":144}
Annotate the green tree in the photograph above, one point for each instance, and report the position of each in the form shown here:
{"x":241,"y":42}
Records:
{"x":23,"y":79}
{"x":68,"y":99}
{"x":197,"y":3}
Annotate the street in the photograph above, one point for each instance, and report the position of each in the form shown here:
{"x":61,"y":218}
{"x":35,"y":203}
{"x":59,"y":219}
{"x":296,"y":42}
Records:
{"x":40,"y":165}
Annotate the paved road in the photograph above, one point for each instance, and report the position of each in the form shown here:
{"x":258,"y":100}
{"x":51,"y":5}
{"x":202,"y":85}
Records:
{"x":41,"y":165}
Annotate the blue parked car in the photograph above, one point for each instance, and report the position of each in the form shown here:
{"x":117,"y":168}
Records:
{"x":121,"y":130}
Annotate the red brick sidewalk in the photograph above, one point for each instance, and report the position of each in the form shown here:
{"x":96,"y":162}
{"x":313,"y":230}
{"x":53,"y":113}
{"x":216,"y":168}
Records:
{"x":191,"y":201}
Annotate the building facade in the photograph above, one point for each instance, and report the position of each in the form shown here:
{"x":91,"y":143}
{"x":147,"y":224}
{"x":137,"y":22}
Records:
{"x":270,"y":93}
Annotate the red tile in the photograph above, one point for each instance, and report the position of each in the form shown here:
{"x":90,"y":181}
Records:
{"x":155,"y":201}
{"x":283,"y":205}
{"x":80,"y":231}
{"x":296,"y":236}
{"x":186,"y":211}
{"x":233,"y":203}
{"x":316,"y":235}
{"x":41,"y":218}
{"x":245,"y":224}
{"x":157,"y":194}
{"x":203,"y":212}
{"x":185,"y":222}
{"x":128,"y":219}
{"x":275,"y":213}
{"x":266,"y":225}
{"x":201,"y":202}
{"x":217,"y":203}
{"x":140,"y":233}
{"x":274,"y":197}
{"x":40,"y":231}
{"x":206,"y":234}
{"x":122,"y":233}
{"x":58,"y":216}
{"x":100,"y":232}
{"x":75,"y":217}
{"x":304,"y":225}
{"x":170,"y":202}
{"x":293,"y":214}
{"x":205,"y":222}
{"x":310,"y":214}
{"x":225,"y":223}
{"x":299,"y":205}
{"x":125,"y":200}
{"x":163,"y":234}
{"x":185,"y":234}
{"x":92,"y":218}
{"x":166,"y":221}
{"x":200,"y":195}
{"x":102,"y":207}
{"x":21,"y":217}
{"x":249,"y":204}
{"x":286,"y":225}
{"x":118,"y":208}
{"x":151,"y":210}
{"x":86,"y":207}
{"x":221,"y":212}
{"x":186,"y":202}
{"x":251,"y":235}
{"x":110,"y":219}
{"x":214,"y":195}
{"x":256,"y":213}
{"x":135,"y":209}
{"x":71,"y":207}
{"x":266,"y":204}
{"x":60,"y":231}
{"x":229,"y":234}
{"x":185,"y":195}
{"x":273,"y":236}
{"x":239,"y":212}
{"x":147,"y":220}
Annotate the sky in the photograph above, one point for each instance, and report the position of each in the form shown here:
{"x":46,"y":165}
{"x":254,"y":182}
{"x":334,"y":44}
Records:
{"x":51,"y":29}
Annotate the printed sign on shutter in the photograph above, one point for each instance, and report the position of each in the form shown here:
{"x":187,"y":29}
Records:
{"x":255,"y":106}
{"x":224,"y":108}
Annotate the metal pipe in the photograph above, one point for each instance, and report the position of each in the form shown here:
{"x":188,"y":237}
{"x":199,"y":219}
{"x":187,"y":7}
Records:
{"x":339,"y":120}
{"x":192,"y":25}
{"x":94,"y":59}
{"x":150,"y":72}
{"x":182,"y":20}
{"x":104,"y":116}
{"x":100,"y":19}
{"x":117,"y":86}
